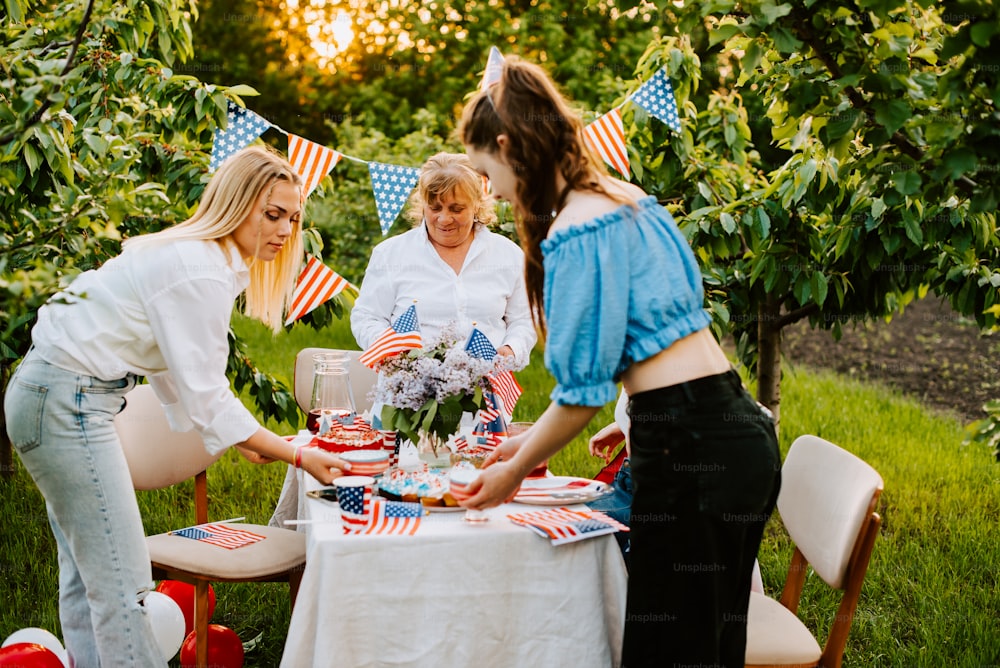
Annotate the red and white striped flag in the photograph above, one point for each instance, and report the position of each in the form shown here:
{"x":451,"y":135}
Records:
{"x":222,"y":535}
{"x":606,"y":137}
{"x":507,"y":388}
{"x":316,"y":284}
{"x":311,"y":161}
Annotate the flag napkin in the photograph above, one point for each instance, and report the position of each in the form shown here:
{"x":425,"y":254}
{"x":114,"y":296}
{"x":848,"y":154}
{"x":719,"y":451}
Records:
{"x":219,"y":534}
{"x":404,"y":334}
{"x":564,"y":525}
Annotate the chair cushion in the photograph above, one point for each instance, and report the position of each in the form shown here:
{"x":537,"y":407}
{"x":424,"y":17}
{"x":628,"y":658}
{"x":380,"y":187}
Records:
{"x":776,"y":637}
{"x":281,"y":550}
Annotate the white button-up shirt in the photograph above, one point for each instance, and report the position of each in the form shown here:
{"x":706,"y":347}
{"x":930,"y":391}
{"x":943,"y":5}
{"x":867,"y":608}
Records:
{"x":160,"y":311}
{"x":488,"y":291}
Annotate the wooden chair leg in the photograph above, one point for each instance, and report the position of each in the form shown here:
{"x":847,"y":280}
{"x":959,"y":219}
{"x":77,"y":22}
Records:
{"x":201,"y":623}
{"x":294,"y":580}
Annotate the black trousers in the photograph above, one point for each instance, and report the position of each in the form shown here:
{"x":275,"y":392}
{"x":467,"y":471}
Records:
{"x":706,"y":472}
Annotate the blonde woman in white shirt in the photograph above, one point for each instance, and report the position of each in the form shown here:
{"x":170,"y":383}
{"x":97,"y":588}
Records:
{"x":451,"y":265}
{"x":161,"y":310}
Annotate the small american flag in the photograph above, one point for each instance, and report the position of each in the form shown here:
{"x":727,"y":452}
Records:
{"x":316,"y":285}
{"x":404,"y":334}
{"x":219,"y":534}
{"x":564,"y":525}
{"x":355,"y":507}
{"x":394,"y":517}
{"x":508,"y":389}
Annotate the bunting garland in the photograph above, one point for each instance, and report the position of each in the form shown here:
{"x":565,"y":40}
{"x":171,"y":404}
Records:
{"x":392,"y":184}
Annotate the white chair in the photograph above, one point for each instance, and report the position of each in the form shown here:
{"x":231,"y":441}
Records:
{"x":362,"y":378}
{"x":157,"y":458}
{"x":827,"y":503}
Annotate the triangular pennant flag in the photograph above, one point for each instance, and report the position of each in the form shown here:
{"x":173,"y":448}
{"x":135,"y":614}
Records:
{"x":657,"y":97}
{"x":494,"y":69}
{"x":316,"y":285}
{"x":606,"y":136}
{"x":242,"y":127}
{"x":311,"y":161}
{"x":391,"y":185}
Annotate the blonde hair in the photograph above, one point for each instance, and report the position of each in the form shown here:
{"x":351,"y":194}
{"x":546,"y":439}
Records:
{"x":227,"y":202}
{"x":447,"y":174}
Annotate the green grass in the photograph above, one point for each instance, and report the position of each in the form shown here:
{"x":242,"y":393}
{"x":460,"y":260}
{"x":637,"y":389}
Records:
{"x":929,"y":598}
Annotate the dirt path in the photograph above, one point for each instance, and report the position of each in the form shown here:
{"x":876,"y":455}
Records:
{"x":928,"y":352}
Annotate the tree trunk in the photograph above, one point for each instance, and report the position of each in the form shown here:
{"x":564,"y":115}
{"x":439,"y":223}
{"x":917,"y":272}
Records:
{"x":769,"y":358}
{"x":6,"y":449}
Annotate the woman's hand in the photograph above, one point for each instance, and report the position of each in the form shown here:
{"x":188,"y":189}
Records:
{"x":322,"y":465}
{"x":494,"y":486}
{"x":505,"y":451}
{"x":506,"y":351}
{"x":603,"y":442}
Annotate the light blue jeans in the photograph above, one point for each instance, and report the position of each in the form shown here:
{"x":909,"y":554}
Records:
{"x":60,"y":422}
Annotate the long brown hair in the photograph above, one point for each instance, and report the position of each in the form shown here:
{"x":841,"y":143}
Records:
{"x":545,"y":137}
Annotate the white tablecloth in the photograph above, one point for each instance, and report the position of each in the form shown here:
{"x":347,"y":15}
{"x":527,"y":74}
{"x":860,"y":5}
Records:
{"x":454,"y":595}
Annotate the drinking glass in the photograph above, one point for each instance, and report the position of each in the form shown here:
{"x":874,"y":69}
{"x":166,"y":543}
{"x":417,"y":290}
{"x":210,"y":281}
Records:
{"x":331,"y":390}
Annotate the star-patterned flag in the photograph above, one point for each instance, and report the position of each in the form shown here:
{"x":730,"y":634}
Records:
{"x":394,"y":517}
{"x":219,"y":534}
{"x":315,"y":285}
{"x":606,"y":137}
{"x":404,"y":334}
{"x":494,"y":69}
{"x":564,"y":525}
{"x":311,"y":161}
{"x":657,"y":97}
{"x":391,"y":185}
{"x":242,"y":127}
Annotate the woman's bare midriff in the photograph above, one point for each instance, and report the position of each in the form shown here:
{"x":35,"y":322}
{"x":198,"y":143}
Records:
{"x":695,"y":356}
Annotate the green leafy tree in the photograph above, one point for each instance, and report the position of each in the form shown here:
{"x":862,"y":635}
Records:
{"x":843,"y":162}
{"x":99,"y":139}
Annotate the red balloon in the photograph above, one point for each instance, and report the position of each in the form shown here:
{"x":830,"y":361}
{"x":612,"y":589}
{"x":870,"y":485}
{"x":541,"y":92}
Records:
{"x":183,"y":595}
{"x":29,"y":655}
{"x":225,"y":650}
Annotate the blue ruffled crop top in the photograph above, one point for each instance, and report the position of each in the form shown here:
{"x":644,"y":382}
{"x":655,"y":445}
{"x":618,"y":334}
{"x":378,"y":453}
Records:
{"x":618,"y":289}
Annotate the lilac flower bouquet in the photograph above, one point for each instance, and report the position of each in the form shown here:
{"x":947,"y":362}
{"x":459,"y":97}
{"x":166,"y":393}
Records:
{"x":425,"y":392}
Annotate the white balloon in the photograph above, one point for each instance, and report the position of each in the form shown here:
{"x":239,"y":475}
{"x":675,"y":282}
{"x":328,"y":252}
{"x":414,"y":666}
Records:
{"x":41,"y":637}
{"x":167,"y":620}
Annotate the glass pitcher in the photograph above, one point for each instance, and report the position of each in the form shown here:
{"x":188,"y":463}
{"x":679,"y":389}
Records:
{"x":332,"y":398}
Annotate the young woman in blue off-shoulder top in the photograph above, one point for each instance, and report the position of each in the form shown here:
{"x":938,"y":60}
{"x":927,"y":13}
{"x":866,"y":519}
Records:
{"x":615,"y":285}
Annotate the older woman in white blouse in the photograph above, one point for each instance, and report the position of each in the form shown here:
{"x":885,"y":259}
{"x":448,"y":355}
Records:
{"x":450,"y":264}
